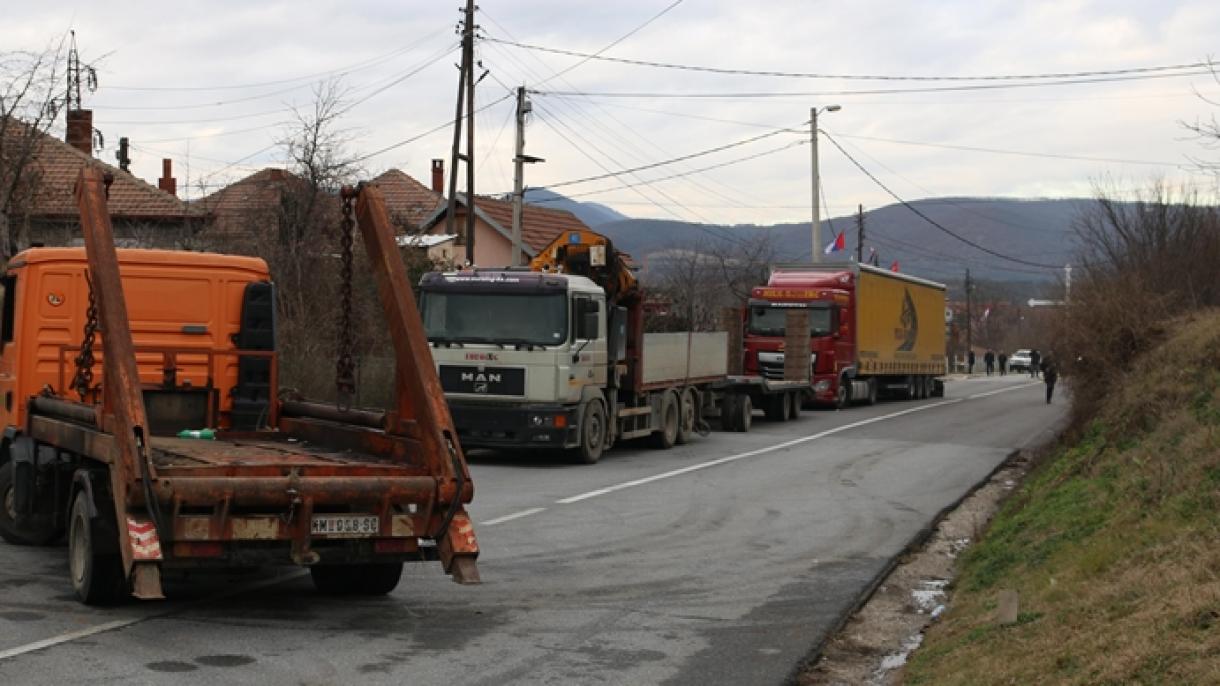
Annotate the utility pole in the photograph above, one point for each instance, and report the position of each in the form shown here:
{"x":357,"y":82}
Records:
{"x":1067,"y":282}
{"x":465,"y":98}
{"x":817,"y":220}
{"x":859,"y":234}
{"x":969,"y":314}
{"x":520,"y":159}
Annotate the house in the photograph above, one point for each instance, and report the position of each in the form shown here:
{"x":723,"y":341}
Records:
{"x":271,"y":206}
{"x":493,"y":226}
{"x":141,"y":213}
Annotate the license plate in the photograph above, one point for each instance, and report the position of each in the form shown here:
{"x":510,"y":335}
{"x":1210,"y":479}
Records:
{"x":346,"y":526}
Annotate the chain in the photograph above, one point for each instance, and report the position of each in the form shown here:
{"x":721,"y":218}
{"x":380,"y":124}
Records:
{"x":345,"y":367}
{"x":82,"y":382}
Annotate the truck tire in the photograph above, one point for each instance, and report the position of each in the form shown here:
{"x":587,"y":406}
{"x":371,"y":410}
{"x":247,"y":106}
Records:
{"x":909,"y":393}
{"x":794,"y":405}
{"x":872,"y":392}
{"x":745,"y":414}
{"x":689,"y":416}
{"x":37,"y":530}
{"x":923,"y":387}
{"x":97,"y":578}
{"x":592,"y":433}
{"x":728,"y":411}
{"x":370,"y":578}
{"x":777,"y":407}
{"x":667,"y":432}
{"x":843,"y":394}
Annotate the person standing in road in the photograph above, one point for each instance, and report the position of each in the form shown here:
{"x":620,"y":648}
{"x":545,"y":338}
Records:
{"x":989,"y":362}
{"x":1003,"y":363}
{"x":1035,"y":358}
{"x":1050,"y":374}
{"x":970,"y":362}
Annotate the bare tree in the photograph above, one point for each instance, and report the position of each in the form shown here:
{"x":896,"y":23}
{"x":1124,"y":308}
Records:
{"x":1208,"y":130}
{"x":29,"y":104}
{"x":699,"y":281}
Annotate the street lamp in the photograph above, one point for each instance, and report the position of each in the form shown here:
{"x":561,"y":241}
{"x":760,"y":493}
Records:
{"x":813,"y":139}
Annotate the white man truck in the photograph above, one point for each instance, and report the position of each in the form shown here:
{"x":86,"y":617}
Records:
{"x":554,"y":356}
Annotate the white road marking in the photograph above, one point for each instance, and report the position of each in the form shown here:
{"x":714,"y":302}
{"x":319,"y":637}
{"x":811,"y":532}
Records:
{"x":1003,"y":390}
{"x":752,"y":453}
{"x":122,"y":623}
{"x":511,"y":517}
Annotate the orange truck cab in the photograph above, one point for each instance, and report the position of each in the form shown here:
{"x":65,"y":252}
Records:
{"x":186,"y":310}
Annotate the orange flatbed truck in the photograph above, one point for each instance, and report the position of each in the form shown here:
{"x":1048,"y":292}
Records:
{"x":186,"y":341}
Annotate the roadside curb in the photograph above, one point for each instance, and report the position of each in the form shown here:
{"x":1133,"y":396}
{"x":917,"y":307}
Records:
{"x":918,"y":539}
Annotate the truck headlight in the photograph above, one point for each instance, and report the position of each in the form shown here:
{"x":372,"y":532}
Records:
{"x":537,"y":420}
{"x":823,"y":385}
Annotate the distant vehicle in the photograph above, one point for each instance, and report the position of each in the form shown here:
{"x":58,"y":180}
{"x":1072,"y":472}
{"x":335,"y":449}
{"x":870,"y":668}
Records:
{"x":1020,"y":361}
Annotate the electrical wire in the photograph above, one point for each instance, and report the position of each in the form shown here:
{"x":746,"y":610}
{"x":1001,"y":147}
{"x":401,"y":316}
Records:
{"x":873,"y":91}
{"x":622,"y":38}
{"x":681,"y":158}
{"x":925,"y":217}
{"x":1023,"y":153}
{"x":412,"y":139}
{"x":848,"y":77}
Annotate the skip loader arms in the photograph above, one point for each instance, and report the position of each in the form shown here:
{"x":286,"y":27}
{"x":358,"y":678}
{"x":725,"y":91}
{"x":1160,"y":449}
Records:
{"x":143,"y":499}
{"x":419,"y":396}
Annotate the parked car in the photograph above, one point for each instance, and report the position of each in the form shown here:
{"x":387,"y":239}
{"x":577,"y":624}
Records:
{"x":1019,"y":361}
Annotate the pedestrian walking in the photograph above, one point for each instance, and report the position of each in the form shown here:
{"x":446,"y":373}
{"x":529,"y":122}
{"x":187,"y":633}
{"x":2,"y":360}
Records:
{"x":1003,"y":363}
{"x":970,"y":362}
{"x":989,"y":362}
{"x":1050,"y":374}
{"x":1035,"y":358}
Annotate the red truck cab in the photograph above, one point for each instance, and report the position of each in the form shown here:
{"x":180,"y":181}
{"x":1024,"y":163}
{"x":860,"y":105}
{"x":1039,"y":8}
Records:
{"x":829,"y":297}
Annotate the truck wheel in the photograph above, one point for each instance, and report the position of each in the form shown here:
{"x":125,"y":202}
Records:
{"x":665,"y":435}
{"x":776,"y":408}
{"x":371,"y":578}
{"x":729,"y":411}
{"x":36,"y":530}
{"x":97,"y":578}
{"x":794,"y":405}
{"x":872,"y":392}
{"x":909,"y":393}
{"x":689,"y":415}
{"x":745,"y":414}
{"x":592,"y":433}
{"x":843,"y":394}
{"x":922,"y":385}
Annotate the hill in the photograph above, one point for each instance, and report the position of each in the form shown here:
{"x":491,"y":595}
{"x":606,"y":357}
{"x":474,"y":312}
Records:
{"x":590,"y":213}
{"x":1034,"y":230}
{"x":1113,"y":545}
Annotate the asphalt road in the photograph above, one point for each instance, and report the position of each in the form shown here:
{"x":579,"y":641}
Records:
{"x":720,"y":562}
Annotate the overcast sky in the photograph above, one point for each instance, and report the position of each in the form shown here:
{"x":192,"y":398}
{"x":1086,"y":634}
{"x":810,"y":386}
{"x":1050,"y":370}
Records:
{"x":210,"y":84}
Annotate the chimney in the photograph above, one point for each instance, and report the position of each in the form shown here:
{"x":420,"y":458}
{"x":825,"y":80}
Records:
{"x":167,"y":182}
{"x":438,"y":176}
{"x":80,"y":130}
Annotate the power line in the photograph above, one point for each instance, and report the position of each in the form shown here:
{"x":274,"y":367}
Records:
{"x":849,"y":77}
{"x":678,"y":175}
{"x":872,"y":91}
{"x":622,"y":38}
{"x":928,"y":219}
{"x":1024,"y":153}
{"x":682,"y":158}
{"x":429,"y":132}
{"x":308,"y":77}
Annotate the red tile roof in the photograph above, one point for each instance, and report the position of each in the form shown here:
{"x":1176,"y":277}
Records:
{"x":407,"y":199}
{"x":539,"y":225}
{"x":58,"y":165}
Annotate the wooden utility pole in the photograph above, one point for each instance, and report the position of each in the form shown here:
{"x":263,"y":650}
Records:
{"x":859,"y":234}
{"x":465,"y":98}
{"x":969,"y":314}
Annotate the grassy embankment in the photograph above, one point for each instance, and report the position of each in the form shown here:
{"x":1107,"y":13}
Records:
{"x":1113,"y":543}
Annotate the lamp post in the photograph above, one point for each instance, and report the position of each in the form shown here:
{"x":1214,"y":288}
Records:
{"x":813,"y":140}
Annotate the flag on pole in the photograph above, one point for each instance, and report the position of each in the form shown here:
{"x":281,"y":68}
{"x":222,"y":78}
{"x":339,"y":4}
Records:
{"x":839,"y":243}
{"x":894,"y":266}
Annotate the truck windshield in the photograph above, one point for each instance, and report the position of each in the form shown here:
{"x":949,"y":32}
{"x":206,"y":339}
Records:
{"x":535,"y":319}
{"x":771,"y":321}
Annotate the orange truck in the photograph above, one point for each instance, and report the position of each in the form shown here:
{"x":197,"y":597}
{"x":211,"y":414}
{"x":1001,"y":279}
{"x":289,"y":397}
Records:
{"x":141,"y":419}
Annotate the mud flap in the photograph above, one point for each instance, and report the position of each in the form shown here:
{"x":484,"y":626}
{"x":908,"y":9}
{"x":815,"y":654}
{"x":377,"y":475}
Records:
{"x":459,"y":549}
{"x":146,"y":556}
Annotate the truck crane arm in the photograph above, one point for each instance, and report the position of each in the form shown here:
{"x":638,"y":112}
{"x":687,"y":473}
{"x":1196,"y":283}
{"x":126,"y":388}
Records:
{"x":590,"y":254}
